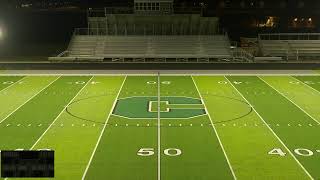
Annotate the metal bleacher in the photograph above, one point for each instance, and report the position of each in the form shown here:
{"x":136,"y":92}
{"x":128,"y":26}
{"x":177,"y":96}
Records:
{"x":149,"y":38}
{"x":117,"y":48}
{"x":291,"y":46}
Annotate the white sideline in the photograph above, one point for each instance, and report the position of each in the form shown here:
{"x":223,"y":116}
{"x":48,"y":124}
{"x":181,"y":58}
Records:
{"x":60,"y":114}
{"x":104,"y":127}
{"x":28,"y":100}
{"x":166,"y":74}
{"x":159,"y":130}
{"x":267,"y":125}
{"x":290,"y":100}
{"x":215,"y":131}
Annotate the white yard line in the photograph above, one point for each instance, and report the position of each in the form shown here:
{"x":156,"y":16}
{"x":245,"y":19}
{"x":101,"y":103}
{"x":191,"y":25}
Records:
{"x":267,"y":125}
{"x":159,"y":130}
{"x":305,"y":84}
{"x":215,"y":131}
{"x":13,"y":84}
{"x":104,"y":127}
{"x":290,"y":101}
{"x":60,"y":114}
{"x":28,"y":100}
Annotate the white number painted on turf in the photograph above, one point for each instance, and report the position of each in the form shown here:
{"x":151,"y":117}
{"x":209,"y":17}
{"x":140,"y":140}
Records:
{"x":95,"y":82}
{"x":222,"y":82}
{"x":303,"y":152}
{"x":294,"y":82}
{"x":172,"y":152}
{"x":151,"y":82}
{"x":7,"y":82}
{"x":309,"y":82}
{"x":306,"y":82}
{"x":150,"y":152}
{"x":77,"y":82}
{"x":146,"y":152}
{"x":163,"y":82}
{"x":166,"y":82}
{"x":299,"y":151}
{"x":80,"y":82}
{"x":237,"y":82}
{"x":277,"y":151}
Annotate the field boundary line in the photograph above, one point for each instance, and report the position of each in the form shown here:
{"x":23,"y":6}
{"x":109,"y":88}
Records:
{"x":167,"y":74}
{"x":29,"y":100}
{"x":60,"y":114}
{"x":159,"y":129}
{"x":13,"y":84}
{"x":239,"y":74}
{"x":103,"y":130}
{"x":290,"y":100}
{"x":215,"y":131}
{"x":305,"y":84}
{"x":267,"y":125}
{"x":83,"y":74}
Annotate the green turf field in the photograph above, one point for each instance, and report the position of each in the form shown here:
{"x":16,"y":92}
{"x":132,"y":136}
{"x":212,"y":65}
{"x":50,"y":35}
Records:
{"x":153,"y":127}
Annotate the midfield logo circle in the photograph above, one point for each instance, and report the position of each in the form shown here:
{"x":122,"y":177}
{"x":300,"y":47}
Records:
{"x":170,"y":107}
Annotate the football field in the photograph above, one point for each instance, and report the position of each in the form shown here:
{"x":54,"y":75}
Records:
{"x":166,"y":127}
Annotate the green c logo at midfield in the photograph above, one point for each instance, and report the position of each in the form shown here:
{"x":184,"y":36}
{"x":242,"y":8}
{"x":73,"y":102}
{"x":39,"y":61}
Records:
{"x":170,"y":107}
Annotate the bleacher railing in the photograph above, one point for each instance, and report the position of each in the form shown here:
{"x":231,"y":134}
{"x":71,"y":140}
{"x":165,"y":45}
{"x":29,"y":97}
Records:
{"x":240,"y":54}
{"x":290,"y":36}
{"x":142,"y":30}
{"x":102,"y":12}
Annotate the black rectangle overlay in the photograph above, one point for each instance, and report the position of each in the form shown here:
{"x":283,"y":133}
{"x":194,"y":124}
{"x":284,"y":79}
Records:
{"x":27,"y":164}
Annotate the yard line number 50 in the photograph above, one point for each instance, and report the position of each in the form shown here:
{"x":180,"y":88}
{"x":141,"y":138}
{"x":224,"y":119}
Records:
{"x":150,"y":151}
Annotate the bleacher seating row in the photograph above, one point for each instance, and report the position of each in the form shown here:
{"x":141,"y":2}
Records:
{"x":290,"y":49}
{"x":149,"y":46}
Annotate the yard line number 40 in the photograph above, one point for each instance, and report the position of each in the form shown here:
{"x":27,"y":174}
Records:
{"x":299,"y":151}
{"x":168,"y":152}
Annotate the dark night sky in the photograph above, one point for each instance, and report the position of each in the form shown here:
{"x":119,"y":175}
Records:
{"x":24,"y":29}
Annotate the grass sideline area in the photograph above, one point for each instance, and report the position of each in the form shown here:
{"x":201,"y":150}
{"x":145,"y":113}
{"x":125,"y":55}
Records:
{"x":209,"y":127}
